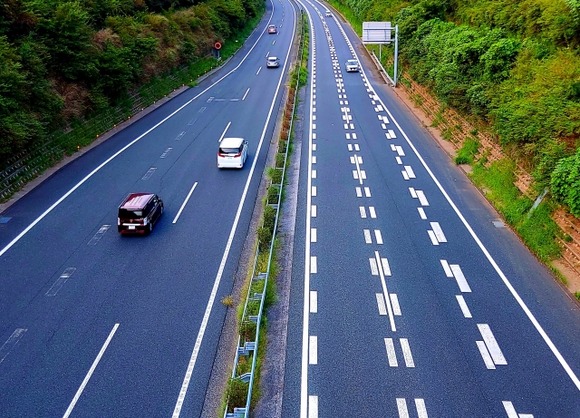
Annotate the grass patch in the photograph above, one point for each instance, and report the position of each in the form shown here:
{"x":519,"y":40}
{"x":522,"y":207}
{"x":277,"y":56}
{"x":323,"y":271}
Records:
{"x":538,"y":230}
{"x":466,"y":154}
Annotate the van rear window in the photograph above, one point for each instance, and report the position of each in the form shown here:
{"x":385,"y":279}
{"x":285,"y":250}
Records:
{"x":130,"y":214}
{"x":229,"y":150}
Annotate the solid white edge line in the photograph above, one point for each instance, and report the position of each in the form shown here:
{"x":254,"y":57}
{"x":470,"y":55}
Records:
{"x":184,"y":203}
{"x":90,"y":372}
{"x":211,"y":300}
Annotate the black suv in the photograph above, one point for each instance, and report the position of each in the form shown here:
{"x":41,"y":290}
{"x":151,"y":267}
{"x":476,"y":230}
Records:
{"x":139,"y":212}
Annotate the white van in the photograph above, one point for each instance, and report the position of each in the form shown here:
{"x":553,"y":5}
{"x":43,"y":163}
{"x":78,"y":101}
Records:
{"x":232,"y":153}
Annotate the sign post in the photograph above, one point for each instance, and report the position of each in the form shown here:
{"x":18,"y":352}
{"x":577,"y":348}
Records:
{"x":217,"y":46}
{"x":381,"y":33}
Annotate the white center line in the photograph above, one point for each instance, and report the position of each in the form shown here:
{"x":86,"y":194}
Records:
{"x":246,"y":93}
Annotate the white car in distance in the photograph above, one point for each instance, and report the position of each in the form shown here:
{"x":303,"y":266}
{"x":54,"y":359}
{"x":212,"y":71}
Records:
{"x":351,"y":65}
{"x":272,"y":62}
{"x":232,"y":153}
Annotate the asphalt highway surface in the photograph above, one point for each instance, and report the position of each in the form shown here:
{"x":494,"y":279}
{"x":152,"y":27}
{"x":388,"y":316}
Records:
{"x":98,"y":324}
{"x":410,"y":297}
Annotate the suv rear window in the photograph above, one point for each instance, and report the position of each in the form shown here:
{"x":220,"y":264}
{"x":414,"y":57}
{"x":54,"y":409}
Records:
{"x":230,"y":150}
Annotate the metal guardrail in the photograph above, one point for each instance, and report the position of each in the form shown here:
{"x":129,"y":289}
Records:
{"x":259,"y":283}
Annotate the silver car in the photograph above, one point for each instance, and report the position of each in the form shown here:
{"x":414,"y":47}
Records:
{"x":272,"y":62}
{"x":351,"y":65}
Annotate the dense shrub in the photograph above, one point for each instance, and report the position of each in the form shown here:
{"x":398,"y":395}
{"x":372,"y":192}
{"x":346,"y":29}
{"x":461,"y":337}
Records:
{"x":565,"y":182}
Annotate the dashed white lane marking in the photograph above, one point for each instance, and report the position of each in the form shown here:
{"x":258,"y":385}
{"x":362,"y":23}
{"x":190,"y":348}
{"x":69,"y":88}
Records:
{"x":312,"y":406}
{"x":314,"y":149}
{"x":386,"y":268}
{"x":368,"y":237}
{"x":398,"y":160}
{"x":492,"y":345}
{"x":399,"y":150}
{"x":313,"y":135}
{"x":313,"y":301}
{"x":407,"y":355}
{"x":246,"y":94}
{"x":149,"y":173}
{"x":166,"y":153}
{"x":391,"y":354}
{"x":372,"y":212}
{"x":66,"y":274}
{"x":422,"y":213}
{"x":511,"y":411}
{"x":98,"y":235}
{"x":419,"y":405}
{"x":422,"y":198}
{"x":313,"y":350}
{"x":463,"y":305}
{"x":396,"y":305}
{"x":90,"y":372}
{"x":313,"y":265}
{"x":380,"y":263}
{"x":410,"y":172}
{"x":392,"y":134}
{"x":313,"y":174}
{"x":11,"y":342}
{"x":446,"y":268}
{"x":381,"y":304}
{"x":313,"y":236}
{"x":378,"y":236}
{"x":184,"y":203}
{"x":413,"y":192}
{"x":421,"y":409}
{"x":485,"y":355}
{"x":402,"y":408}
{"x":460,"y":278}
{"x":359,"y":175}
{"x":356,"y":147}
{"x":313,"y":211}
{"x":356,"y":159}
{"x":433,"y":237}
{"x":436,"y":228}
{"x":313,"y":159}
{"x":313,"y":191}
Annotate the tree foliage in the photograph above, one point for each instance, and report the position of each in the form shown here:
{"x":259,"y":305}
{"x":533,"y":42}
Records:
{"x":61,"y":60}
